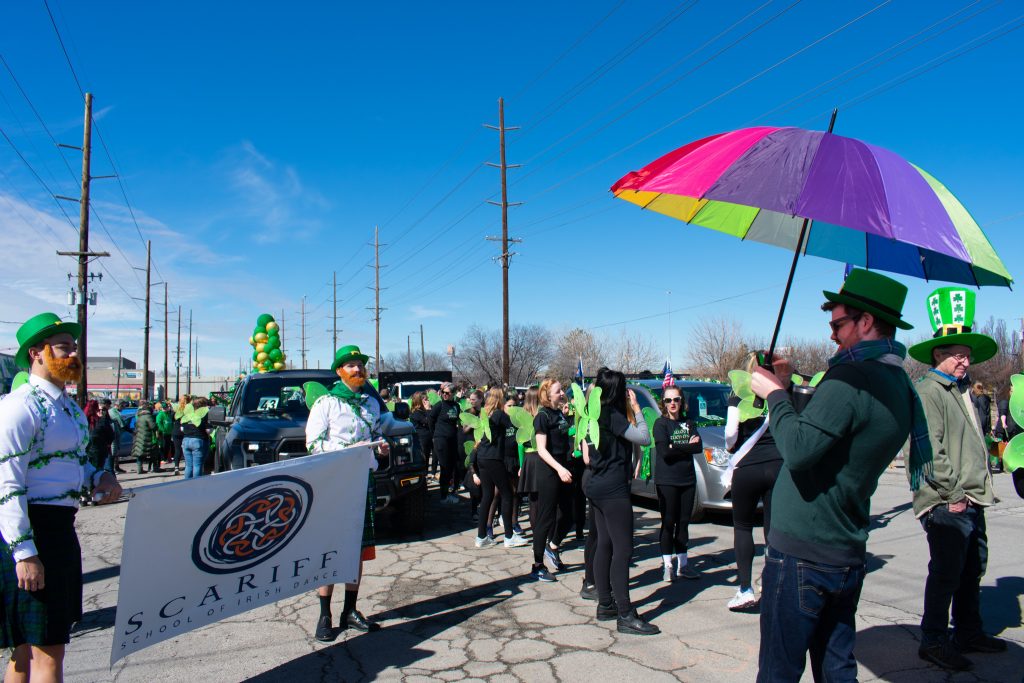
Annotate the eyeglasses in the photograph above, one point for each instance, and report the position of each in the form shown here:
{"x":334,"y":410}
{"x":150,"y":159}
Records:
{"x":677,"y":399}
{"x":446,"y":393}
{"x":960,"y":357}
{"x":838,"y":323}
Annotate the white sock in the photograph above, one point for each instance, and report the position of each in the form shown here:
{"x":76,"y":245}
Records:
{"x":681,"y":559}
{"x":667,"y":559}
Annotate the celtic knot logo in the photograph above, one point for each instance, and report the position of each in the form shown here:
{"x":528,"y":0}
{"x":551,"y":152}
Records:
{"x":253,"y":525}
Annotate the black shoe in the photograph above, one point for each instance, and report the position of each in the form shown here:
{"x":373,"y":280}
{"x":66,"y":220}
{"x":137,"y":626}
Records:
{"x":980,"y":642}
{"x":589,"y":591}
{"x":607,"y":612}
{"x":324,"y":632}
{"x":356,"y":620}
{"x":944,"y":655}
{"x":636,"y":626}
{"x":541,"y":573}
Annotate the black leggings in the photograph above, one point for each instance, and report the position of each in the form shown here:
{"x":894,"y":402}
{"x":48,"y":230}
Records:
{"x":614,"y":518}
{"x":552,"y":510}
{"x":590,"y":547}
{"x":579,"y":499}
{"x":493,"y":474}
{"x":675,"y":504}
{"x":427,"y":450}
{"x":750,"y":484}
{"x":445,"y":452}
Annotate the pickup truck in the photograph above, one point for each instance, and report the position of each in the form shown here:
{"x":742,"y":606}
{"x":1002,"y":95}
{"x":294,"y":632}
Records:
{"x":266,"y":422}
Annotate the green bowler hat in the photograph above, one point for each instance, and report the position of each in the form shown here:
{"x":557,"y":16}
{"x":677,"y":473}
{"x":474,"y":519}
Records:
{"x":951,"y":313}
{"x":38,"y":328}
{"x":873,"y":293}
{"x":347,"y":353}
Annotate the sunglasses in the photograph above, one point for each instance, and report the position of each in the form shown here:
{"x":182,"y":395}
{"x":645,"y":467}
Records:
{"x":677,"y":399}
{"x":838,"y":323}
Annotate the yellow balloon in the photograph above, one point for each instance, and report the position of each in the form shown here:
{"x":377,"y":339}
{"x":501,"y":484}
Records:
{"x":271,"y":326}
{"x":279,"y":365}
{"x":252,"y":342}
{"x":261,"y":337}
{"x":260,"y":347}
{"x":261,"y":356}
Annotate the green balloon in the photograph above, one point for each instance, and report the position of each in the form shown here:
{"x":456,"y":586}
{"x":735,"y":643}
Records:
{"x":275,"y":354}
{"x":254,"y":354}
{"x":272,"y":343}
{"x":262,"y":321}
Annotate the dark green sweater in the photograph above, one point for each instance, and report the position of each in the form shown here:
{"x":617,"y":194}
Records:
{"x":833,"y":454}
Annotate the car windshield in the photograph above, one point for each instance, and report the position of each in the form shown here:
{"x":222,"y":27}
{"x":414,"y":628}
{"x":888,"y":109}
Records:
{"x":405,"y":391}
{"x":276,"y":397}
{"x":705,"y":404}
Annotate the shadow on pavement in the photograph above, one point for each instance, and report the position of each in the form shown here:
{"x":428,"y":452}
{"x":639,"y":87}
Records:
{"x":395,"y":646}
{"x":1000,"y":604}
{"x":883,"y":519}
{"x":96,"y":620}
{"x":890,"y":653}
{"x":101,"y":574}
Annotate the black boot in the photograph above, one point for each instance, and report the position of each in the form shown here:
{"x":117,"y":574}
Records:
{"x":607,"y":612}
{"x":634,"y":625}
{"x":350,"y":616}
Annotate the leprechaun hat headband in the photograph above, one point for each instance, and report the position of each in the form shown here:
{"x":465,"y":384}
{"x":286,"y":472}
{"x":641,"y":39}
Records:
{"x":36,"y":329}
{"x":951,"y":313}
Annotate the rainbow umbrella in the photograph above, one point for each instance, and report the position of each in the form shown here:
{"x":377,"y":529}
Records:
{"x":869,"y":206}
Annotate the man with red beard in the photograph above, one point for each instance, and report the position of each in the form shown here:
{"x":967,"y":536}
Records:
{"x":43,"y":470}
{"x":347,"y":416}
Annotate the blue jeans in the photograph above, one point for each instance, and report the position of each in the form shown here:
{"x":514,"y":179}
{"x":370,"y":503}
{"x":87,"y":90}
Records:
{"x":807,"y":607}
{"x":194,"y":450}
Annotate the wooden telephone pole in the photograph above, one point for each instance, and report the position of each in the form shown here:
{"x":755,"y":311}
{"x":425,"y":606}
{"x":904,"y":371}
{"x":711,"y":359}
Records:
{"x":177,"y":361}
{"x":505,"y":256}
{"x":167,"y":391}
{"x":302,"y":327}
{"x":83,"y":254}
{"x":145,"y":346}
{"x":334,"y":318}
{"x":377,"y":363}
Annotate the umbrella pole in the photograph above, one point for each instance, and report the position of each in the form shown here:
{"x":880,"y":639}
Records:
{"x":758,"y":402}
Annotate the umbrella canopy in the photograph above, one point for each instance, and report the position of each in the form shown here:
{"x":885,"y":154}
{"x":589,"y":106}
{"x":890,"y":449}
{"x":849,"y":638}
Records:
{"x":870,"y":207}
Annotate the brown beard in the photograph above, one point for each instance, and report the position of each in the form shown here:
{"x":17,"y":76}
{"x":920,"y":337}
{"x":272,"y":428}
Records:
{"x":63,"y":369}
{"x":353,"y":380}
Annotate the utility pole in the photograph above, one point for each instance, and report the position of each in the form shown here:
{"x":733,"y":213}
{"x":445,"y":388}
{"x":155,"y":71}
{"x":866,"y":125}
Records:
{"x":334,"y":318}
{"x":302,"y":328}
{"x":423,"y":353}
{"x":377,"y":363}
{"x":505,"y":255}
{"x":177,"y":360}
{"x":408,"y":351}
{"x":145,"y":345}
{"x":83,"y":253}
{"x":188,"y":377}
{"x":117,"y":383}
{"x":197,"y":356}
{"x":166,"y":388}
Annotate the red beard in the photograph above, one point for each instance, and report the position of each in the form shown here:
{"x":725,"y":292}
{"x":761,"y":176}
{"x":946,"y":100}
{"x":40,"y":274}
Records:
{"x":63,"y":369}
{"x":352,"y":379}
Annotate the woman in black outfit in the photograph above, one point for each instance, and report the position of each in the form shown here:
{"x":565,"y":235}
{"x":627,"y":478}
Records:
{"x":676,"y":441}
{"x":444,"y":424}
{"x":490,"y":471}
{"x":621,"y":425}
{"x":553,"y":481}
{"x":420,"y":420}
{"x":757,"y":462}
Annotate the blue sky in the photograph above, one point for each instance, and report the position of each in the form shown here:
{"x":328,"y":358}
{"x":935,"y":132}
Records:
{"x":259,"y":146}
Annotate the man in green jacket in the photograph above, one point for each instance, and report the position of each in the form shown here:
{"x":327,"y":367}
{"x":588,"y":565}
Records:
{"x":951,"y":506}
{"x":833,"y":453}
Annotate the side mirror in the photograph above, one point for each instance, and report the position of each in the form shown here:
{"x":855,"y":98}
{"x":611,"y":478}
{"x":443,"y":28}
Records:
{"x":401,"y":411}
{"x":217,"y":416}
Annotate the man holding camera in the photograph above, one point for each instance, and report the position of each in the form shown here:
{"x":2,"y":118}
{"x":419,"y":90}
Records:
{"x":834,"y":452}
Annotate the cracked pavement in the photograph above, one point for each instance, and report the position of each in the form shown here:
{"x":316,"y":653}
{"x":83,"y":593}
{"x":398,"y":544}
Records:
{"x":451,"y":612}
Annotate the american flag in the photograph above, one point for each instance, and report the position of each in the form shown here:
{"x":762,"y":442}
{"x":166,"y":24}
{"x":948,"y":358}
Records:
{"x":669,"y":379}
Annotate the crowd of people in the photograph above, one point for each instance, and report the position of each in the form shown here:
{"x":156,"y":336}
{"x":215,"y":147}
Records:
{"x":812,"y":467}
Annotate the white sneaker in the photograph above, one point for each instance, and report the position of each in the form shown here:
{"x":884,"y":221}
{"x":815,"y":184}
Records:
{"x":486,"y":542}
{"x":742,"y":600}
{"x":667,"y":576}
{"x":516,"y":541}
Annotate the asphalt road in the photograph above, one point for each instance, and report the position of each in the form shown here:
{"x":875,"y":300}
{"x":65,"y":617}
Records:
{"x":451,"y":612}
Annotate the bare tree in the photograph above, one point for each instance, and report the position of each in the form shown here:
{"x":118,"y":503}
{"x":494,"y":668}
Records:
{"x":633,"y":353}
{"x":570,"y":348}
{"x":808,"y":356}
{"x":404,"y":362}
{"x":478,"y":360}
{"x":717,"y":345}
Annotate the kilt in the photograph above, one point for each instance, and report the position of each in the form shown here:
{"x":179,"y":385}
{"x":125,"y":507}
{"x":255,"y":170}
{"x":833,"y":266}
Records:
{"x":44,"y":617}
{"x":528,"y":473}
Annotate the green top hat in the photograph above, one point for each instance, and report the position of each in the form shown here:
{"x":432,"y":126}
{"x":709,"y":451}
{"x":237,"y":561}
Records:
{"x":347,"y":353}
{"x":951,"y":313}
{"x":38,"y":328}
{"x":873,"y":293}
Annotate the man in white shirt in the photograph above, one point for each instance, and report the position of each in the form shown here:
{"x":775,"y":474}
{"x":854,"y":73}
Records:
{"x":43,"y":470}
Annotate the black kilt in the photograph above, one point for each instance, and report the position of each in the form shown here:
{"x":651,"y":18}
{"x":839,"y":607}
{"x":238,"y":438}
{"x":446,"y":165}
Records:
{"x":44,"y":617}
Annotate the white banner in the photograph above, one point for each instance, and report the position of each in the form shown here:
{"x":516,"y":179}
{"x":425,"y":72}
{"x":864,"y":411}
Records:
{"x":199,"y":550}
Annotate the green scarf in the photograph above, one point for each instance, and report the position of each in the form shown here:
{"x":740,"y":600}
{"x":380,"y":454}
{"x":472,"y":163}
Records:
{"x":920,"y":465}
{"x":354,"y":399}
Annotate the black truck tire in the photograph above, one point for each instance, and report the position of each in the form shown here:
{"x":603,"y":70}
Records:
{"x":412,"y":511}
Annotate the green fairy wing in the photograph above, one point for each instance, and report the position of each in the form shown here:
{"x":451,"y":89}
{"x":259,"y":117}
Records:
{"x":593,"y":413}
{"x":740,"y":381}
{"x":390,"y":405}
{"x":433,"y":397}
{"x":649,"y":416}
{"x":484,"y":428}
{"x":1017,"y":398}
{"x":523,"y":423}
{"x":19,"y":379}
{"x":816,"y":378}
{"x":313,"y":391}
{"x":464,"y":404}
{"x":469,"y":420}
